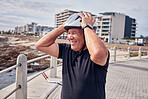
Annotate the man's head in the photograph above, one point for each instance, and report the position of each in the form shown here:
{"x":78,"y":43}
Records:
{"x":75,"y":32}
{"x":76,"y":38}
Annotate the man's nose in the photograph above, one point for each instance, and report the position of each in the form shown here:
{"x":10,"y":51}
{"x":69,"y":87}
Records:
{"x":70,"y":37}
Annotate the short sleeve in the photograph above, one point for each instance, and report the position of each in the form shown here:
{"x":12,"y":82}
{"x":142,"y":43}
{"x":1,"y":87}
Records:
{"x":107,"y":62}
{"x":62,"y":49}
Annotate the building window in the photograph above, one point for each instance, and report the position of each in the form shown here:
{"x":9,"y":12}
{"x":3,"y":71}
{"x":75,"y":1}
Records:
{"x":105,"y":30}
{"x":98,"y":27}
{"x":106,"y":19}
{"x":104,"y":34}
{"x":97,"y":34}
{"x":105,"y":26}
{"x":98,"y":23}
{"x":109,"y":14}
{"x":105,"y":23}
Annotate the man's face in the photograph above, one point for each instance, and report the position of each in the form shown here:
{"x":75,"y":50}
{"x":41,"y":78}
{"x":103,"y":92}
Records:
{"x":76,"y":39}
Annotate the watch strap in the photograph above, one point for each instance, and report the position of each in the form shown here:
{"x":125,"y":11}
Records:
{"x":87,"y":25}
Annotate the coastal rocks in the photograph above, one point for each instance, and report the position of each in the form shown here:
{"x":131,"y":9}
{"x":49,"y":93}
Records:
{"x":8,"y":57}
{"x":3,"y":42}
{"x":11,"y":47}
{"x":38,"y":65}
{"x":3,"y":45}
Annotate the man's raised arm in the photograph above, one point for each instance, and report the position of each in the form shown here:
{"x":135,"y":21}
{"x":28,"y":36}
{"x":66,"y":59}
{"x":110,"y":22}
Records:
{"x":47,"y":43}
{"x":98,"y":51}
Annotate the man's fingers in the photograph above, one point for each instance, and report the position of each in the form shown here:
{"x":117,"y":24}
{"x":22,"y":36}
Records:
{"x":90,"y":16}
{"x":85,"y":14}
{"x":93,"y":20}
{"x":81,"y":15}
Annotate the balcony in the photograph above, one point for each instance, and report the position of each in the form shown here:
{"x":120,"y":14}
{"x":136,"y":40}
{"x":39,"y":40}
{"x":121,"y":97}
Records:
{"x":67,"y":14}
{"x":104,"y":34}
{"x":134,"y":23}
{"x":105,"y":23}
{"x":106,"y":20}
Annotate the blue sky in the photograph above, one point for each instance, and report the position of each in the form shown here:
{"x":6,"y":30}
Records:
{"x":20,"y":12}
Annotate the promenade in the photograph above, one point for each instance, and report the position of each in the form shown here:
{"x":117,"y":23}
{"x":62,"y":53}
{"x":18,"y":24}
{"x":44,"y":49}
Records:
{"x":128,"y":80}
{"x":125,"y":80}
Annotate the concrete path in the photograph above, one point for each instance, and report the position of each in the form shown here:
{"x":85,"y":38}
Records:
{"x":38,"y":88}
{"x":128,"y":80}
{"x":125,"y":80}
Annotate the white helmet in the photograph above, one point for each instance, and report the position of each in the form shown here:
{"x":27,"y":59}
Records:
{"x":74,"y":21}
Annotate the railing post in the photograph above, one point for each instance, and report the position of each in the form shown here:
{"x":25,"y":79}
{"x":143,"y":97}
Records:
{"x":53,"y":63}
{"x":129,"y":49}
{"x":115,"y":53}
{"x":139,"y":52}
{"x":21,"y":77}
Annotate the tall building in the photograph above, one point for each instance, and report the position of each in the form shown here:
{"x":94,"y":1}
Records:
{"x":115,"y":26}
{"x":60,"y":18}
{"x":33,"y":28}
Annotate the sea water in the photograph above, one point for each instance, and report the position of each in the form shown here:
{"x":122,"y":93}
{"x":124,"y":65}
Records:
{"x":8,"y":78}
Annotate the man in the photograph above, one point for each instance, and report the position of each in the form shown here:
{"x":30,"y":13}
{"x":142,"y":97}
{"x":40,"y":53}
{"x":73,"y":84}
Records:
{"x":85,"y":59}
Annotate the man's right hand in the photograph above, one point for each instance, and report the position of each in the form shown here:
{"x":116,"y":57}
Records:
{"x":47,"y":43}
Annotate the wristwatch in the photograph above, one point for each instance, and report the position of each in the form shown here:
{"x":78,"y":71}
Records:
{"x":87,"y":25}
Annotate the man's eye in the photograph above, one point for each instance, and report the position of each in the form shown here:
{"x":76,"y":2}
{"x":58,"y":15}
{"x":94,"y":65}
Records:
{"x":74,"y":32}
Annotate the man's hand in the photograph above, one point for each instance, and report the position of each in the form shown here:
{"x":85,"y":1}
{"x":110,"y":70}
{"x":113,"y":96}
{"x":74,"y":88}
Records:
{"x":47,"y":43}
{"x":87,"y":19}
{"x":62,"y":28}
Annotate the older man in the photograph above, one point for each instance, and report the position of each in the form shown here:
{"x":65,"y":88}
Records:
{"x":85,"y":59}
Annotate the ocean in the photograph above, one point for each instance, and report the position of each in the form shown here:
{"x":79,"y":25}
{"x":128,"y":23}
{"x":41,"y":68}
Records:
{"x":8,"y":78}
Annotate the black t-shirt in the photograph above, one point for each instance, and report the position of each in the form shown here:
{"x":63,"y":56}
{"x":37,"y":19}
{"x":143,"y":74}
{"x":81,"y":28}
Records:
{"x":81,"y":77}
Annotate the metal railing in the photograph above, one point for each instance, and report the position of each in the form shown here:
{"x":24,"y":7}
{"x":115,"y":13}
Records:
{"x":21,"y":74}
{"x":127,"y":53}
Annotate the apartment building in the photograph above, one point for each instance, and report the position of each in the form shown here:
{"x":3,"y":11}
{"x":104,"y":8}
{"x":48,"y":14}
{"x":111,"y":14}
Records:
{"x":33,"y":28}
{"x":62,"y":17}
{"x":28,"y":28}
{"x":115,"y":26}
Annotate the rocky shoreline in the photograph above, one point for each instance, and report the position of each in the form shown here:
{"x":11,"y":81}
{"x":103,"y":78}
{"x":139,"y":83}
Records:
{"x":9,"y":53}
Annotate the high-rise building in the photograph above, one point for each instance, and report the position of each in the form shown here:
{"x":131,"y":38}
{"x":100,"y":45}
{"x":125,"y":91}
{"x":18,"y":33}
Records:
{"x":112,"y":25}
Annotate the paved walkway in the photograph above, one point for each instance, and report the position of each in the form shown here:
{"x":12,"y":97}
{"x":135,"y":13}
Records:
{"x":128,"y":80}
{"x":38,"y":88}
{"x":125,"y":80}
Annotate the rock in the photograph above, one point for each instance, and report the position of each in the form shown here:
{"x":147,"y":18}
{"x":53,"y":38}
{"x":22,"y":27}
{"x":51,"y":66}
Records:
{"x":2,"y":45}
{"x":9,"y":53}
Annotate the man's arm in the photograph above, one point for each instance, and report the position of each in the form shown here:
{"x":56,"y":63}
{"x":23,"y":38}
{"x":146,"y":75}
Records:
{"x":98,"y":51}
{"x":47,"y":43}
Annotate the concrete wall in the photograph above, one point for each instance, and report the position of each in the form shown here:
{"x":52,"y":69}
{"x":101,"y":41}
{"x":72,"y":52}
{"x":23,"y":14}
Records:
{"x":118,"y":25}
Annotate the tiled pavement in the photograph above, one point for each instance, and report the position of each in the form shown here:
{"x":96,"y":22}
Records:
{"x":128,"y":80}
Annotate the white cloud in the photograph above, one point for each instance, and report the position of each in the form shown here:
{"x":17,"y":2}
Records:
{"x":20,"y":12}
